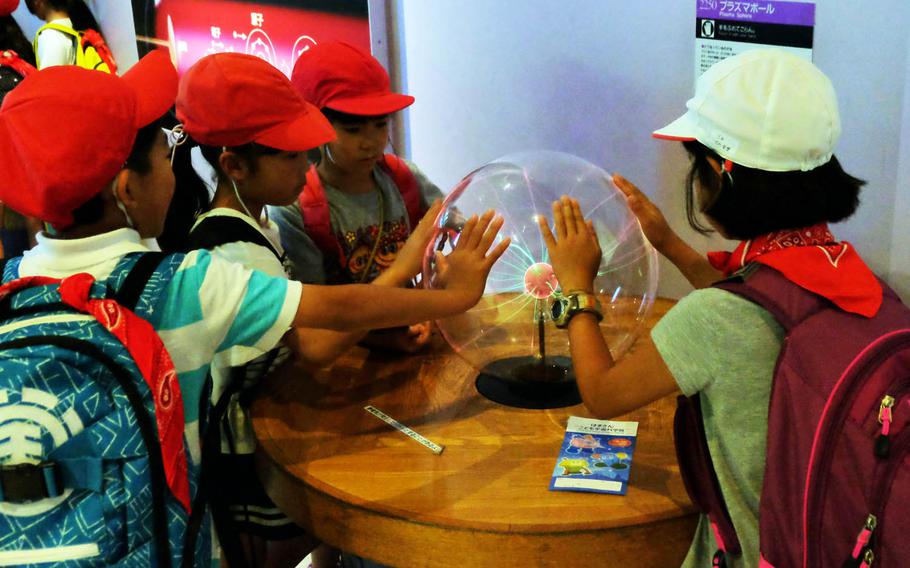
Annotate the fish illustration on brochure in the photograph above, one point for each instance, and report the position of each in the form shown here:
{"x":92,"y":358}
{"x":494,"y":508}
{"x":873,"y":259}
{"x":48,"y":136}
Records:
{"x":596,"y":456}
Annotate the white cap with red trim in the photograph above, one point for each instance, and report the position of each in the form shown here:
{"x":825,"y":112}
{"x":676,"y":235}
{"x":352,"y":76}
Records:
{"x":765,"y":109}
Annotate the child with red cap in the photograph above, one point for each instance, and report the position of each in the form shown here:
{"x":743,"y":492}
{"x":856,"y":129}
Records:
{"x":259,"y":159}
{"x":101,"y":204}
{"x":16,"y":62}
{"x":358,"y":205}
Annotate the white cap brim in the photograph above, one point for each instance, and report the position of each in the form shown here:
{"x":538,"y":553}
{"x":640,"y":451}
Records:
{"x":681,"y":130}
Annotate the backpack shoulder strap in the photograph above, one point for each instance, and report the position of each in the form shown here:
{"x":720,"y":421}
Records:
{"x":60,"y":28}
{"x":129,"y":292}
{"x":11,"y":59}
{"x":407,"y":184}
{"x":787,"y":302}
{"x":317,"y":219}
{"x":92,"y":38}
{"x":221,"y":230}
{"x":699,"y":476}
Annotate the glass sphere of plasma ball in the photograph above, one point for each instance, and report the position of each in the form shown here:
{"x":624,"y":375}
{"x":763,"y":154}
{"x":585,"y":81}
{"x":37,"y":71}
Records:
{"x":510,"y":333}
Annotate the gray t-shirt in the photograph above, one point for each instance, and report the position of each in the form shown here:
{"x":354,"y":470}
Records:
{"x":355,"y":223}
{"x":725,"y":348}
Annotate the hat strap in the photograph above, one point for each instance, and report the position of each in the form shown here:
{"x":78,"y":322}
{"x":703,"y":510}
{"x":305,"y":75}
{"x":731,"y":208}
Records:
{"x":728,"y":168}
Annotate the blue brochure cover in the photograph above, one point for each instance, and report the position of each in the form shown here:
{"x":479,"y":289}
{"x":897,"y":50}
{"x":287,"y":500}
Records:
{"x":596,"y":456}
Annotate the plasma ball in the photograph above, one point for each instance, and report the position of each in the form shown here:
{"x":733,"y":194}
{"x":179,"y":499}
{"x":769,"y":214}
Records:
{"x":540,"y":280}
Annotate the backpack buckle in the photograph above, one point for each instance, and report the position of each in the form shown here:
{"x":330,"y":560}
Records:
{"x":26,"y":482}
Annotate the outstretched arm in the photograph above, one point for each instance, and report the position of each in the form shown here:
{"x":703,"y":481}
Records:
{"x":693,"y":265}
{"x":608,"y":388}
{"x":320,"y":347}
{"x":363,"y":306}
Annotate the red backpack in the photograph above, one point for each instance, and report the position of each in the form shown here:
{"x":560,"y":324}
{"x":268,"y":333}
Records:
{"x":314,"y":206}
{"x":836,"y":489}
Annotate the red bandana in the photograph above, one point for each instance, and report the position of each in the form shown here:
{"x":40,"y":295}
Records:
{"x":812,"y":259}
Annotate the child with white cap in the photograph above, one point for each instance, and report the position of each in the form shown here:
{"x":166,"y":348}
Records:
{"x":761,"y":131}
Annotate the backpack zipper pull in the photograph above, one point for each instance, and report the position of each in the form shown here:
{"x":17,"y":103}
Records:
{"x":867,"y":559}
{"x":883,"y":442}
{"x":864,"y":535}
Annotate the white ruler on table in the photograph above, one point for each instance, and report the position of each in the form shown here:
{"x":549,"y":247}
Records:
{"x":434,"y":447}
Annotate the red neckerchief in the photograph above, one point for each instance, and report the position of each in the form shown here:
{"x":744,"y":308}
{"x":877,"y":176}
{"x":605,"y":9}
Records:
{"x":811,"y":259}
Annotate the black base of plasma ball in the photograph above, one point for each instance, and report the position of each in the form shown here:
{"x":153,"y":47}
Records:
{"x":526,"y":382}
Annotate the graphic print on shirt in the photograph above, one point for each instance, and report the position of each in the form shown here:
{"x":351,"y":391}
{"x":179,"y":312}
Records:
{"x":358,"y":246}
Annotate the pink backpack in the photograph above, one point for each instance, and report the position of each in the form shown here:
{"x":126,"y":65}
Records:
{"x":837,"y":481}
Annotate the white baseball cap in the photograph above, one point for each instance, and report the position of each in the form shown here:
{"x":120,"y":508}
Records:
{"x":765,"y":109}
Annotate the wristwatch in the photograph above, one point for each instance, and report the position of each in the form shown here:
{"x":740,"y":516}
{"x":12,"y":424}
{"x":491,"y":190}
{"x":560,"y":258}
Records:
{"x":565,"y":307}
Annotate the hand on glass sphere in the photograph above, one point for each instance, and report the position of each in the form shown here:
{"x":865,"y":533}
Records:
{"x":574,"y":251}
{"x":653,"y":223}
{"x":466,"y":268}
{"x":408,"y":262}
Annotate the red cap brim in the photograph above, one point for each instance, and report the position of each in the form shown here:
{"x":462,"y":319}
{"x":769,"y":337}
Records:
{"x":307,"y":130}
{"x":154,"y":81}
{"x":371,"y":105}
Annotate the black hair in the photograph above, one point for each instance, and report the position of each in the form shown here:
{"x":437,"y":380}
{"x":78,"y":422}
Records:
{"x":11,"y":37}
{"x":191,"y":194}
{"x":78,"y":13}
{"x":756,"y":202}
{"x":138,"y":161}
{"x":249,"y":152}
{"x":344,"y":118}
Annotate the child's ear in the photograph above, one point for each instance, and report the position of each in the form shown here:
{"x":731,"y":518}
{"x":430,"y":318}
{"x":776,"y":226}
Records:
{"x":233,"y":165}
{"x":124,"y":193}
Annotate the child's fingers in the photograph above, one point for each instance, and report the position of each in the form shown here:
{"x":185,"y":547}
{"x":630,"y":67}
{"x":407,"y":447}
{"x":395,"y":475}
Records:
{"x":629,"y":189}
{"x":590,"y":226}
{"x":498,"y":250}
{"x":467,"y":230}
{"x":577,"y":217}
{"x":546,"y":233}
{"x":430,"y":216}
{"x":483,"y":226}
{"x":559,"y":220}
{"x":490,"y":234}
{"x":568,"y":215}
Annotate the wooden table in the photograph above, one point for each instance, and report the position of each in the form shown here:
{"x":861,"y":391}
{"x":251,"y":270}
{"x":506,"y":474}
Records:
{"x":361,"y":486}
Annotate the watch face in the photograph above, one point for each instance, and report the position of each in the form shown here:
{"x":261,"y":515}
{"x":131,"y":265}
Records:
{"x":557,"y":309}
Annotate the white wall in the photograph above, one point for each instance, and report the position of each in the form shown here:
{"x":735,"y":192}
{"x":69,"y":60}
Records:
{"x":595,"y":77}
{"x":900,"y":234}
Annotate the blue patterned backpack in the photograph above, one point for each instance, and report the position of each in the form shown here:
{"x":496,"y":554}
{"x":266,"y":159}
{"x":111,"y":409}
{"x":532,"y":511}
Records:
{"x":93,"y":467}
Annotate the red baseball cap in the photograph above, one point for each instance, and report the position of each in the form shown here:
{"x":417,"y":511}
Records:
{"x":341,"y":77}
{"x":231,"y":99}
{"x":65,"y":132}
{"x":7,"y":7}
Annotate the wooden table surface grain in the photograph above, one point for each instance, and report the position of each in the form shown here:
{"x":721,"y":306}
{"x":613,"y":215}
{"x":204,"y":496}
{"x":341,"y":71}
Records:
{"x":360,"y":485}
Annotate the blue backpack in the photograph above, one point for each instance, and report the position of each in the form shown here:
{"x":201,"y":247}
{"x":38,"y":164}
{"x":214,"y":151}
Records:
{"x":93,"y":468}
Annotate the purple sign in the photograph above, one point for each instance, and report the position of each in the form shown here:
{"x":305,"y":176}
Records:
{"x":763,"y":11}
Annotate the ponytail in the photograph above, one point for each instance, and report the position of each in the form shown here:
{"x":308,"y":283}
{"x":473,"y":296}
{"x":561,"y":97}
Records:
{"x":191,"y":199}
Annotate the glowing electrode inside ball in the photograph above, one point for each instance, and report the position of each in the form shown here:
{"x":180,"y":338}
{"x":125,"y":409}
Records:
{"x":540,"y":280}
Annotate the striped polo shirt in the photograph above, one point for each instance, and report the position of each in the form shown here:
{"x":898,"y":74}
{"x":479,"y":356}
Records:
{"x":214,"y":310}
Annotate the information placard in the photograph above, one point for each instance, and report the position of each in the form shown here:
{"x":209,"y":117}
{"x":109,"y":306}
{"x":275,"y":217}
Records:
{"x":727,"y":27}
